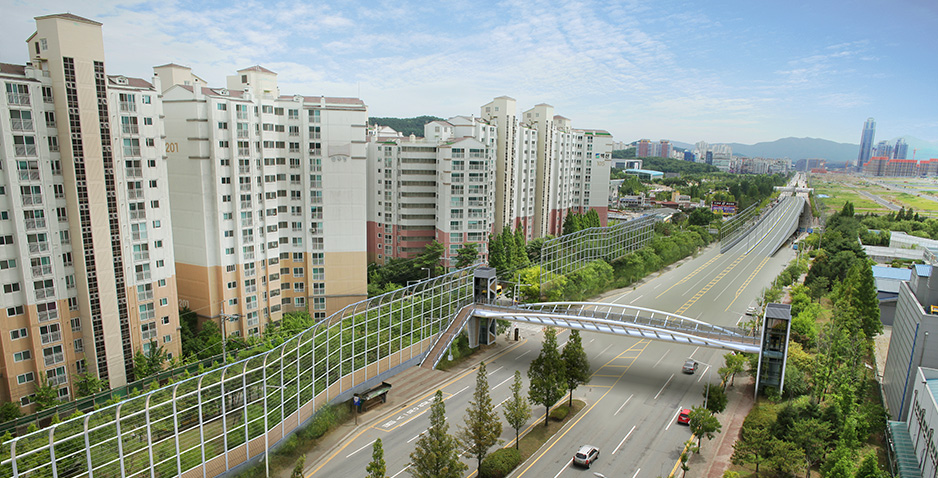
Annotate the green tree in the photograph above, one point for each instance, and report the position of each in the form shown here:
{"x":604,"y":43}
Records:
{"x":869,"y":467}
{"x":519,"y":252}
{"x":546,"y":374}
{"x":9,"y":411}
{"x":482,"y":427}
{"x":813,"y":436}
{"x":701,"y":216}
{"x":149,"y":363}
{"x":714,"y":398}
{"x":785,"y":457}
{"x":703,"y":423}
{"x":753,"y":446}
{"x":87,"y":384}
{"x":576,"y":364}
{"x":298,"y":467}
{"x":377,"y":468}
{"x":437,"y":452}
{"x":517,"y":409}
{"x":734,"y":363}
{"x":467,"y":255}
{"x":46,"y":395}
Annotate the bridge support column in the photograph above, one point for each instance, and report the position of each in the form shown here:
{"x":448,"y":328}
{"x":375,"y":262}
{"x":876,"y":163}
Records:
{"x":481,"y":330}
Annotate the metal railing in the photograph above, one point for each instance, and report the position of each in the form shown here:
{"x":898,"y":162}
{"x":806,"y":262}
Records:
{"x":570,"y":252}
{"x":208,"y":424}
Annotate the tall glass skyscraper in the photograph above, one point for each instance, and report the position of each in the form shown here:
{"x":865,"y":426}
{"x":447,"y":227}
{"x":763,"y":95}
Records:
{"x":866,"y":142}
{"x":901,"y":151}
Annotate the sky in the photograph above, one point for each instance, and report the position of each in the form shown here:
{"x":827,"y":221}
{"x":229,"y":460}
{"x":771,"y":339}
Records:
{"x":716,"y":70}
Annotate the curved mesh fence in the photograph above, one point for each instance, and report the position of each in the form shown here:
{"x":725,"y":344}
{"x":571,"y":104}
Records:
{"x":212,"y":422}
{"x":570,"y":252}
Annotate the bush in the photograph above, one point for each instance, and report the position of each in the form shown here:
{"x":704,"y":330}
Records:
{"x":560,"y":412}
{"x":500,"y":463}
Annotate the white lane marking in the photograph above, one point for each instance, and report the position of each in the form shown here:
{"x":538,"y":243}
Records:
{"x":662,"y":387}
{"x":418,"y":436}
{"x":695,"y":351}
{"x":655,"y":287}
{"x":362,"y":448}
{"x":522,"y":355}
{"x":501,"y":402}
{"x":457,"y":393}
{"x":605,"y":349}
{"x":496,"y":370}
{"x":662,"y":357}
{"x":670,"y":422}
{"x":623,"y":440}
{"x":503,"y":382}
{"x":561,"y":345}
{"x":703,"y":373}
{"x":624,"y":404}
{"x":636,"y":472}
{"x":591,"y":341}
{"x":398,"y":473}
{"x":639,"y":297}
{"x":559,"y":472}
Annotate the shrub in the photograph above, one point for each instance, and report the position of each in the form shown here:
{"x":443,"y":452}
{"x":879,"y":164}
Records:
{"x":560,"y":412}
{"x":500,"y":463}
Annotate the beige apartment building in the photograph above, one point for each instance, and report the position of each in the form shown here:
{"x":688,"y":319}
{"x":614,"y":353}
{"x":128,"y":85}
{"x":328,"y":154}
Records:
{"x":268,"y":194}
{"x":86,"y":252}
{"x":439,"y":187}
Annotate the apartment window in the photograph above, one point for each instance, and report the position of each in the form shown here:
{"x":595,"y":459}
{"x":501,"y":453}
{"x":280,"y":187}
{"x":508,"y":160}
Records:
{"x":148,"y":331}
{"x":161,"y":283}
{"x":165,"y":320}
{"x":53,"y":355}
{"x":146,"y":99}
{"x":164,"y":301}
{"x":232,"y":284}
{"x":167,"y":338}
{"x":319,"y":303}
{"x":11,"y":287}
{"x":222,"y":125}
{"x":20,"y":356}
{"x":73,"y":304}
{"x":157,"y":244}
{"x":223,"y":144}
{"x":25,"y":378}
{"x":156,"y":224}
{"x":299,"y":301}
{"x":79,"y":347}
{"x":75,"y":322}
{"x":160,"y":263}
{"x":148,"y":121}
{"x":8,"y":264}
{"x":298,"y":272}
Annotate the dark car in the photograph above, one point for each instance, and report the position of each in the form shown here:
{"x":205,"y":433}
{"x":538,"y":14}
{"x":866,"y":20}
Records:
{"x":690,"y":366}
{"x":684,"y":417}
{"x":586,"y":455}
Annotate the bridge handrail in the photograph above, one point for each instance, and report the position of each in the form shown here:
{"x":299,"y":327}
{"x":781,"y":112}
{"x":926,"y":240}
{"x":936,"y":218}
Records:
{"x":624,"y":306}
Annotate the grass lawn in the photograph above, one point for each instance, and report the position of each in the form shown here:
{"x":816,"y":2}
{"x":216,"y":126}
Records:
{"x":537,"y":434}
{"x":915,"y":202}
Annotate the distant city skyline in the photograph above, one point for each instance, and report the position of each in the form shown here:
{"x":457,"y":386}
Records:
{"x":737,"y":72}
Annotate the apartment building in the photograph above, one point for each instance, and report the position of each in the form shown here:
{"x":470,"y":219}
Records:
{"x":515,"y":166}
{"x":439,"y":187}
{"x":268,"y":203}
{"x":86,"y":255}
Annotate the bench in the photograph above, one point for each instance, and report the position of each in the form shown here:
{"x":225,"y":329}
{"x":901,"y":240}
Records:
{"x":374,"y":396}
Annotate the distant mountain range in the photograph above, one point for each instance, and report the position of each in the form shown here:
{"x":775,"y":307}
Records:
{"x":802,"y":148}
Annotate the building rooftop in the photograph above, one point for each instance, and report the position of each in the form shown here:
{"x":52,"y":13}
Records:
{"x":778,"y":311}
{"x":11,"y":69}
{"x":884,"y":272}
{"x":256,"y":68}
{"x":173,"y":65}
{"x":68,"y":16}
{"x":130,"y":81}
{"x":922,"y":270}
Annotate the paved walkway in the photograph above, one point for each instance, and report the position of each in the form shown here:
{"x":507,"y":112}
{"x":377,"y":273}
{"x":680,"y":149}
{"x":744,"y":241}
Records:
{"x":714,"y":457}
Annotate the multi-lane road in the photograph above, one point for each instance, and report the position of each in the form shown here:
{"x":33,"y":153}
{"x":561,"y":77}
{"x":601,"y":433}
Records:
{"x":636,"y":387}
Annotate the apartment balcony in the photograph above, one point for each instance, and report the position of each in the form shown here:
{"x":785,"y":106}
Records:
{"x":141,"y":256}
{"x":242,"y":115}
{"x":51,"y":337}
{"x":315,"y":200}
{"x":21,"y":124}
{"x":316,"y":246}
{"x":244,"y":151}
{"x":273,"y":277}
{"x":143,"y":276}
{"x":146,"y":295}
{"x":48,"y":315}
{"x":315,"y":151}
{"x":250,"y":305}
{"x":31,"y":199}
{"x":456,"y":216}
{"x":33,"y":224}
{"x":53,"y":359}
{"x":45,"y":293}
{"x":314,"y":135}
{"x":138,"y":236}
{"x":250,"y":289}
{"x":248,"y":255}
{"x":134,"y":172}
{"x":473,"y":179}
{"x":250,"y":272}
{"x":275,"y":308}
{"x":476,"y":203}
{"x":128,"y":106}
{"x":242,"y":133}
{"x":294,"y":166}
{"x":39,"y":271}
{"x":134,"y":193}
{"x":244,"y":169}
{"x":57,"y":380}
{"x":247,"y":239}
{"x":148,"y":335}
{"x":29,"y":175}
{"x":51,"y":124}
{"x":315,"y":215}
{"x":247,"y":222}
{"x":294,"y":133}
{"x":21,"y":150}
{"x":38,"y":247}
{"x":315,"y":184}
{"x":132,"y":151}
{"x":17,"y":98}
{"x":473,"y":167}
{"x":138,"y":215}
{"x":246,"y":205}
{"x":246,"y":187}
{"x":130,"y":129}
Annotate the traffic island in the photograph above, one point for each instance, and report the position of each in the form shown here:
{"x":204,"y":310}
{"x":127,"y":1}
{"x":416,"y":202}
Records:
{"x":536,"y":434}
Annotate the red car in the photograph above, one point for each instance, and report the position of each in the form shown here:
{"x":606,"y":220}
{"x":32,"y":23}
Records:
{"x":684,"y":416}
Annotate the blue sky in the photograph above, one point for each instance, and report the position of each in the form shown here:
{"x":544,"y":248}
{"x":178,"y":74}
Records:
{"x":719,"y":71}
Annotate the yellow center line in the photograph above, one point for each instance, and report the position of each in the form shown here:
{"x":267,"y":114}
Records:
{"x":692,"y":274}
{"x":710,"y":285}
{"x":746,"y":284}
{"x":412,"y":403}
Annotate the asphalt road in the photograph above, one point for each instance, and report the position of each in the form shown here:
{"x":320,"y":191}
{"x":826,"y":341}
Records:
{"x":637,"y":386}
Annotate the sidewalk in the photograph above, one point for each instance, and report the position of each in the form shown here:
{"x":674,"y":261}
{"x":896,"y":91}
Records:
{"x":406,"y":387}
{"x":714,"y":457}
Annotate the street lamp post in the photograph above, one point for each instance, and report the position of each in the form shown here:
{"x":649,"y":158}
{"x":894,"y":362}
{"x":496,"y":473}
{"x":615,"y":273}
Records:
{"x":428,"y":271}
{"x":222,"y":318}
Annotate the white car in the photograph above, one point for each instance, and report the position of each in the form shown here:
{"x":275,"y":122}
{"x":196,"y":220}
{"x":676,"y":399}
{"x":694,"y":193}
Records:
{"x":586,"y":455}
